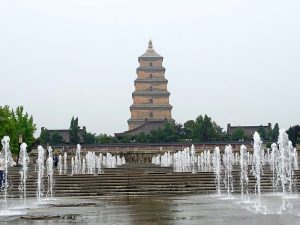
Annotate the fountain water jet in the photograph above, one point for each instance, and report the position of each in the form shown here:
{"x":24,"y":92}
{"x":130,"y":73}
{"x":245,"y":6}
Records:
{"x":77,"y":162}
{"x":65,"y":163}
{"x":228,"y":161}
{"x":217,"y":168}
{"x":286,"y":170}
{"x":6,"y":160}
{"x":50,"y":176}
{"x":257,"y":165}
{"x":274,"y":165}
{"x":23,"y":161}
{"x":40,"y":168}
{"x":60,"y":165}
{"x":244,"y":170}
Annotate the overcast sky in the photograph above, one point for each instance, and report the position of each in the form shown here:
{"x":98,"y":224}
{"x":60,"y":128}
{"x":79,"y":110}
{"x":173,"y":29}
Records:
{"x":236,"y":60}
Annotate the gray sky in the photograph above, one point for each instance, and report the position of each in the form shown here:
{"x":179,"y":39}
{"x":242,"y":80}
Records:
{"x":235,"y":60}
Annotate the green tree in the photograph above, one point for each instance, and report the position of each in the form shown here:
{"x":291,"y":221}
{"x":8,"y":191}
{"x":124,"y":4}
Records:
{"x":169,"y":133}
{"x":45,"y":137}
{"x":89,"y":138}
{"x":141,"y":138}
{"x":188,"y":128}
{"x":294,"y":134}
{"x":126,"y":139}
{"x":238,"y":134}
{"x":262,"y":132}
{"x":275,"y":132}
{"x":207,"y":130}
{"x":105,"y":139}
{"x":16,"y":123}
{"x":56,"y":138}
{"x":74,"y":131}
{"x":156,"y":135}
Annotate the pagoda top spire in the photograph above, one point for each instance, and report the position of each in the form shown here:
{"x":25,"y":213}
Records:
{"x":150,"y":53}
{"x":150,"y":44}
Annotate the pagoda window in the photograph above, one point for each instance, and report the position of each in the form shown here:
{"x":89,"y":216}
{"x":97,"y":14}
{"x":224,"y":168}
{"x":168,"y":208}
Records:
{"x":150,"y":64}
{"x":151,"y":89}
{"x":151,"y":75}
{"x":151,"y":114}
{"x":151,"y":100}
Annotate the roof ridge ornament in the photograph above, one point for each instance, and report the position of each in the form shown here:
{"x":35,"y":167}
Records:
{"x":150,"y":44}
{"x":150,"y":52}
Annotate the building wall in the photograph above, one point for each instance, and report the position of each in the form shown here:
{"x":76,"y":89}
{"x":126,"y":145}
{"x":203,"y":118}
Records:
{"x":157,"y":114}
{"x":155,"y":63}
{"x":146,"y":100}
{"x":155,"y":86}
{"x":146,"y":75}
{"x":249,"y":130}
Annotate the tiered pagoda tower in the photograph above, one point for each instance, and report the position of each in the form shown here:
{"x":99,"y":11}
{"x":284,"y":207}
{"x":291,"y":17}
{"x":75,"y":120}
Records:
{"x":151,"y":97}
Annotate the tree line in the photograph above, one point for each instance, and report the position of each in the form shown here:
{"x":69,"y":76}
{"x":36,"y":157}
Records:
{"x":19,"y":125}
{"x":202,"y":129}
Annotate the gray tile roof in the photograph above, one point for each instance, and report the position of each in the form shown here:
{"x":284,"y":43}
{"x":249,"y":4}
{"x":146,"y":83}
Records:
{"x":150,"y":53}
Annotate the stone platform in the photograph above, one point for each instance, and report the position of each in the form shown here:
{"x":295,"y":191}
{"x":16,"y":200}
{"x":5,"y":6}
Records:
{"x":136,"y":180}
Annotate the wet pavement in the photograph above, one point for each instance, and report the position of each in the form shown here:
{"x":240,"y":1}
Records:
{"x":155,"y":210}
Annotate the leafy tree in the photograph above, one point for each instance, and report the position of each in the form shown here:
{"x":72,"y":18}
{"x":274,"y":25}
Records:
{"x":262,"y":132}
{"x":141,"y":138}
{"x":126,"y":139}
{"x":74,"y":131}
{"x":238,"y":134}
{"x":156,"y":135}
{"x":294,"y":134}
{"x":7,"y":125}
{"x":105,"y":139}
{"x":45,"y":137}
{"x":179,"y":131}
{"x":207,"y":130}
{"x":275,"y":132}
{"x":89,"y":138}
{"x":188,"y":128}
{"x":16,"y":123}
{"x":56,"y":138}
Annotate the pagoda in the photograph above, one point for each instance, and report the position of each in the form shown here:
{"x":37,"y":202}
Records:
{"x":150,"y":108}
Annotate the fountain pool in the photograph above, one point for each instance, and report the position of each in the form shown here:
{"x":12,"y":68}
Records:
{"x":193,"y":209}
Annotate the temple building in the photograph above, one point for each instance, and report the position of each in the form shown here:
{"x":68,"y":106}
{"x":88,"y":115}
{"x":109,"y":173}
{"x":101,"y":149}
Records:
{"x":151,"y":108}
{"x":249,"y":130}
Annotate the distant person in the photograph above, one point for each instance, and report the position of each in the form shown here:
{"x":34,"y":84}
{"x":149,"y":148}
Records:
{"x":55,"y":161}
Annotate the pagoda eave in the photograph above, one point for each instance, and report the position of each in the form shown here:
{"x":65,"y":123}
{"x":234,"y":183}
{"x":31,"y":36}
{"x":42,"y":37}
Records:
{"x":150,"y":106}
{"x":151,"y":93}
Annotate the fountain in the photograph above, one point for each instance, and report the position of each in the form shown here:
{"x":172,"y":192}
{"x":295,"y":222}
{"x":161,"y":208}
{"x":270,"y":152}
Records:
{"x":60,"y":165}
{"x":274,"y":165}
{"x":83,"y":167}
{"x":6,"y":160}
{"x":49,"y":164}
{"x":217,"y":168}
{"x":257,"y":165}
{"x":72,"y":166}
{"x":65,"y":163}
{"x":23,"y":161}
{"x":228,"y":161}
{"x":286,"y":160}
{"x":244,"y":170}
{"x":77,"y":161}
{"x":98,"y":163}
{"x":40,"y":169}
{"x":286,"y":168}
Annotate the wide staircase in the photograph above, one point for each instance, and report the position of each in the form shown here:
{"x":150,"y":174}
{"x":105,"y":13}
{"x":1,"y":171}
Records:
{"x":136,"y":180}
